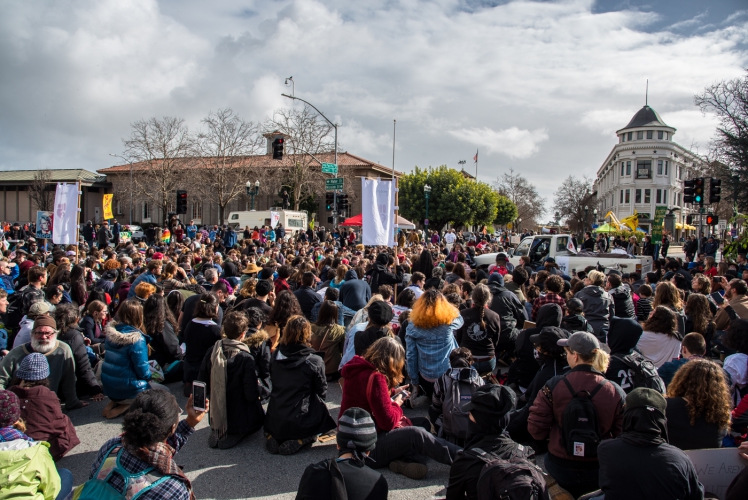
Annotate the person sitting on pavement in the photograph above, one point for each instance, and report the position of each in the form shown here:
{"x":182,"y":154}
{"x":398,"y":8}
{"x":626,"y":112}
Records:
{"x":258,"y":342}
{"x":298,"y":376}
{"x":736,"y":365}
{"x":355,"y":293}
{"x":620,"y":292}
{"x":380,"y":314}
{"x":60,"y":358}
{"x":40,"y":408}
{"x":489,"y":411}
{"x":199,"y":337}
{"x":574,"y":320}
{"x":525,"y":366}
{"x":306,"y":295}
{"x":37,"y":309}
{"x":623,"y":336}
{"x":328,"y":337}
{"x":660,"y":341}
{"x":640,"y":463}
{"x":92,"y":322}
{"x":66,"y":317}
{"x":356,"y":437}
{"x":598,"y":305}
{"x":480,"y":330}
{"x":151,"y":435}
{"x":230,"y":375}
{"x":150,"y":276}
{"x":693,"y":346}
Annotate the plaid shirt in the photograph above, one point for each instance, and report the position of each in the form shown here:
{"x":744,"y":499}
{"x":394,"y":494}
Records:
{"x":8,"y":434}
{"x":171,"y":488}
{"x":548,"y":298}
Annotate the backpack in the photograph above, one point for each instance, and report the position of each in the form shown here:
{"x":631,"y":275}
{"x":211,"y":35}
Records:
{"x":513,"y":479}
{"x":136,"y":484}
{"x":642,"y":373}
{"x":14,"y":312}
{"x":580,"y":428}
{"x":457,"y":393}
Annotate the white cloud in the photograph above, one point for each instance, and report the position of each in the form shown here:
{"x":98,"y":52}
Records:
{"x":511,"y":142}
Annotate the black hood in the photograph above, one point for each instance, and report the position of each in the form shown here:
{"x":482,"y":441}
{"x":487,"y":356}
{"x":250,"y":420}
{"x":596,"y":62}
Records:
{"x":622,"y":292}
{"x":644,"y":426}
{"x":293,"y":354}
{"x":549,"y":315}
{"x":623,"y":335}
{"x":383,"y":259}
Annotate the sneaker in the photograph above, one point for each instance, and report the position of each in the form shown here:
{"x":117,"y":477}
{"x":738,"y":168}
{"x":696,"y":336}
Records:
{"x":272,"y":444}
{"x":412,"y":470}
{"x":293,"y":445}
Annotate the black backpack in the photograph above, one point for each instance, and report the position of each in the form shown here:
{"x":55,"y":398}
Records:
{"x":513,"y":479}
{"x":642,"y":373}
{"x":580,"y":428}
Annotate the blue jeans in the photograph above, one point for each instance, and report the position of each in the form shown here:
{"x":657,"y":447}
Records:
{"x":66,"y":478}
{"x":485,"y":366}
{"x":575,"y":481}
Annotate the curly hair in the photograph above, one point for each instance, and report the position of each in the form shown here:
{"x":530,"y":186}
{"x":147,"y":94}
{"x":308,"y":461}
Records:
{"x":697,"y":308}
{"x":298,"y":330}
{"x":248,"y":288}
{"x":702,"y":384}
{"x":662,"y":320}
{"x":388,"y":357}
{"x":432,"y":310}
{"x":286,"y":305}
{"x":667,"y":294}
{"x":150,"y":419}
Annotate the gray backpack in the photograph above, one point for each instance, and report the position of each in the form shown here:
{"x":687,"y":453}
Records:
{"x":457,"y":394}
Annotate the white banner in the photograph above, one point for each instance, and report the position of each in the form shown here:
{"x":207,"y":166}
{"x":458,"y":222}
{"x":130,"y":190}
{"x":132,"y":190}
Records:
{"x":377,"y":212}
{"x":274,"y":219}
{"x":65,"y":228}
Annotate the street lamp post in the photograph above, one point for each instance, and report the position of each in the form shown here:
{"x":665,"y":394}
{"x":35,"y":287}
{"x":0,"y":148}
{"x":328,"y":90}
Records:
{"x":586,"y":217}
{"x":594,"y":216}
{"x":427,"y":194}
{"x":131,"y":189}
{"x":252,"y":191}
{"x":335,"y":126}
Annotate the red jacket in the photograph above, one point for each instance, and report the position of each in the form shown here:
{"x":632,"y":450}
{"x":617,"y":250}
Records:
{"x":545,"y":416}
{"x":40,"y":409}
{"x":387,"y":415}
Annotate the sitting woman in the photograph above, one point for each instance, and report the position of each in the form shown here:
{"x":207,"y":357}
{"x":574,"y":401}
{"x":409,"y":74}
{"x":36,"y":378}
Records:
{"x":660,"y":341}
{"x":698,"y":406}
{"x":230,"y":376}
{"x":41,"y":408}
{"x":92,"y":323}
{"x":380,"y":316}
{"x":125,"y":372}
{"x":297,"y":413}
{"x":66,"y":317}
{"x":151,"y":435}
{"x":286,"y":305}
{"x":258,"y":342}
{"x":328,"y":337}
{"x":199,"y":336}
{"x":161,"y":327}
{"x":372,"y":383}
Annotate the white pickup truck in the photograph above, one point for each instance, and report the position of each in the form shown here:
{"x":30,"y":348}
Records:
{"x":540,"y":247}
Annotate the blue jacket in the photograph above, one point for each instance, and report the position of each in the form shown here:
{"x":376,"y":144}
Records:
{"x":229,"y":238}
{"x":6,"y":280}
{"x":147,"y":277}
{"x":428,"y":350}
{"x":125,"y":372}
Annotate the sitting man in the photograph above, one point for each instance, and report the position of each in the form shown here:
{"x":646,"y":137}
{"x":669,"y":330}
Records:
{"x":60,"y":358}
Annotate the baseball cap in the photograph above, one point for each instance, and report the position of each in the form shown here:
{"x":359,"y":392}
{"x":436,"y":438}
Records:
{"x":549,"y":333}
{"x":581,"y":342}
{"x":574,"y":305}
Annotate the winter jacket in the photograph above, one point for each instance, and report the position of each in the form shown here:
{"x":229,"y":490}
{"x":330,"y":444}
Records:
{"x":244,"y":414}
{"x":165,"y":346}
{"x":125,"y":372}
{"x":329,"y":339}
{"x":576,"y":323}
{"x":354,"y":293}
{"x":525,"y":366}
{"x":381,"y":276}
{"x":546,"y":412}
{"x":88,"y":326}
{"x":623,"y":302}
{"x":307,"y":298}
{"x":6,"y":280}
{"x":739,"y":303}
{"x":622,"y":339}
{"x":685,"y":436}
{"x":427,"y":350}
{"x":27,"y":471}
{"x":481,"y":342}
{"x":387,"y":414}
{"x":297,"y":404}
{"x":86,"y":383}
{"x":360,"y":481}
{"x":510,"y":310}
{"x":103,"y":236}
{"x":259,"y":346}
{"x":41,"y":411}
{"x":598,"y":309}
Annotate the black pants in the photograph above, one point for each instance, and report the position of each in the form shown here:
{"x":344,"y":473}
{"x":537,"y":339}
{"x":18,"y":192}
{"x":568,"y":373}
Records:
{"x":412,"y":443}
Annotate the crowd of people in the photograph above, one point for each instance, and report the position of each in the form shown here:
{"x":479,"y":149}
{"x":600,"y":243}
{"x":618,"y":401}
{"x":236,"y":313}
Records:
{"x":607,"y":377}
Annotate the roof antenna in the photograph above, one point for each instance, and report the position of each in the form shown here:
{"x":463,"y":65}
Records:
{"x":646,"y":94}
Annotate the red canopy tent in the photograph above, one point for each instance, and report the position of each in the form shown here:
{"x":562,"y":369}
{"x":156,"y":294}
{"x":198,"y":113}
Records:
{"x":356,"y":220}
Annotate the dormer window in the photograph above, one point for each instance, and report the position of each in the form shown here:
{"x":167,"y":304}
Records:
{"x":630,"y":136}
{"x":650,"y":134}
{"x":640,"y":135}
{"x":659,"y":134}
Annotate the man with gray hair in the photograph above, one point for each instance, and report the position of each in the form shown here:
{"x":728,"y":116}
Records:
{"x":58,"y":354}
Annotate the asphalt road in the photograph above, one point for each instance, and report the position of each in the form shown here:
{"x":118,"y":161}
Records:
{"x":245,"y":471}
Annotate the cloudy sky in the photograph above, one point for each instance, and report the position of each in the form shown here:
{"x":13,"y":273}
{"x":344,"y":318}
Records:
{"x":535,"y":86}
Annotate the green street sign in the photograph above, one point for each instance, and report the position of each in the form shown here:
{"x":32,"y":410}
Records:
{"x":659,"y":218}
{"x":329,"y":168}
{"x":335,"y":184}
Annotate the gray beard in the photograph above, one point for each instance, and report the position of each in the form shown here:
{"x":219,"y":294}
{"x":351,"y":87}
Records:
{"x":44,"y":348}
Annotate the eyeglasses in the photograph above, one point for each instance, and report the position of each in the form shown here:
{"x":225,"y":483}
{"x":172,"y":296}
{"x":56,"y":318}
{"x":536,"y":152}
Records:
{"x":45,"y":333}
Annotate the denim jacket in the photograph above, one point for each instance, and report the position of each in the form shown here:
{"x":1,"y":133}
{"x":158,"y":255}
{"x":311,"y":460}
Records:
{"x":428,"y":350}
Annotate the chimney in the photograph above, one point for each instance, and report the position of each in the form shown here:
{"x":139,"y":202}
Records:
{"x":272,"y":136}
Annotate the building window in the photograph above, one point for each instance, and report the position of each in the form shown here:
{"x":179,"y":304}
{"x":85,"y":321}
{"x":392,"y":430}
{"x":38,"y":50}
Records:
{"x":659,"y":167}
{"x":628,"y":196}
{"x":638,"y":196}
{"x":644,"y":169}
{"x":659,"y":134}
{"x":118,"y":207}
{"x":666,"y":136}
{"x":649,"y":134}
{"x":630,"y":136}
{"x":680,"y":173}
{"x":197,"y":210}
{"x":146,"y":210}
{"x":622,"y":167}
{"x":659,"y":196}
{"x":621,"y":202}
{"x":647,"y":196}
{"x":664,"y":196}
{"x":628,"y":168}
{"x":640,"y":135}
{"x":667,"y":164}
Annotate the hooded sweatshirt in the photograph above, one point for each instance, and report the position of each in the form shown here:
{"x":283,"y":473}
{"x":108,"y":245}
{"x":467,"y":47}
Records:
{"x":623,"y":302}
{"x":354,"y":293}
{"x":381,"y":276}
{"x":525,"y":367}
{"x":598,"y":309}
{"x":622,"y":338}
{"x":512,"y":313}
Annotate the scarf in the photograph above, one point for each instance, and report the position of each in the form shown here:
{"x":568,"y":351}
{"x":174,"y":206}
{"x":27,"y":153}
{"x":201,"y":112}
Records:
{"x":218,"y":376}
{"x":161,"y":456}
{"x":644,"y":426}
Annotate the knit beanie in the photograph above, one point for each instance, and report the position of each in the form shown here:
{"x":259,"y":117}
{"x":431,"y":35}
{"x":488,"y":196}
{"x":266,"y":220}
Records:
{"x":33,"y":367}
{"x":10,"y":409}
{"x":45,"y":321}
{"x":356,"y":431}
{"x":643,"y":397}
{"x":380,"y":312}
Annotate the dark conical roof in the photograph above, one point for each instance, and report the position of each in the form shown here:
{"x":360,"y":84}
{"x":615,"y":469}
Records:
{"x":646,"y":117}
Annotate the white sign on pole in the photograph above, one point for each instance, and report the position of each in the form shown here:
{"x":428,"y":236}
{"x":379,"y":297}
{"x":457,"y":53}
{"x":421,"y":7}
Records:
{"x":65,"y":226}
{"x":378,"y":212}
{"x":274,"y":218}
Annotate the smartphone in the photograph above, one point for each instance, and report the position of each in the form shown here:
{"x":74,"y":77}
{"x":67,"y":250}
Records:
{"x":198,"y":395}
{"x":717,"y":279}
{"x":718,"y":298}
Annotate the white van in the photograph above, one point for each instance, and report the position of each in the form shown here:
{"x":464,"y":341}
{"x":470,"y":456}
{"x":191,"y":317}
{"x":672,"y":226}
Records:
{"x":292,"y":221}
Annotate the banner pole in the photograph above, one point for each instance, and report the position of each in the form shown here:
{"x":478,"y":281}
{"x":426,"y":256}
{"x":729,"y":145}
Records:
{"x":78,"y":224}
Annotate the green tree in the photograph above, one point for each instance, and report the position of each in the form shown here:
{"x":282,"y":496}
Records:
{"x":506,"y":211}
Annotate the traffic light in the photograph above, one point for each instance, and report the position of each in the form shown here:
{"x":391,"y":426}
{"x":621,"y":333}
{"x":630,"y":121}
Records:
{"x":712,"y":220}
{"x":698,"y":191}
{"x":329,"y":201}
{"x":278,"y":149}
{"x":715,"y":189}
{"x":688,"y":188}
{"x":181,"y":201}
{"x":689,"y":220}
{"x":342,"y":202}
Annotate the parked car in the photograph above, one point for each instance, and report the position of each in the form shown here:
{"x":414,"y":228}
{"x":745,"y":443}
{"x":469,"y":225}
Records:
{"x":137,"y":233}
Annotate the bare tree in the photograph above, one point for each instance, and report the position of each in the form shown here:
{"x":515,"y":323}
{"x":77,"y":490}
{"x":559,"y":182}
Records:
{"x":40,"y":190}
{"x":530,"y":205}
{"x":306,"y":134}
{"x":570,"y":201}
{"x":164,"y":148}
{"x":223,"y":152}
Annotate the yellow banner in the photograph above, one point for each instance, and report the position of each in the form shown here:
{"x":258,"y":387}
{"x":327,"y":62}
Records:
{"x":108,"y":206}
